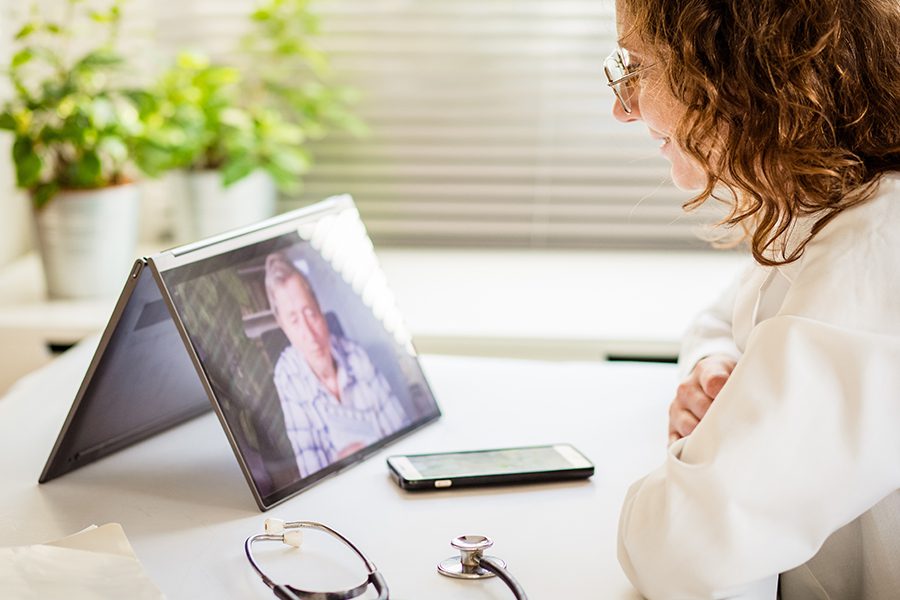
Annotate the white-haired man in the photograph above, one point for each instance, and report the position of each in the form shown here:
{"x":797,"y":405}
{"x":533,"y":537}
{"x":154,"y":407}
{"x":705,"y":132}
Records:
{"x":335,"y":401}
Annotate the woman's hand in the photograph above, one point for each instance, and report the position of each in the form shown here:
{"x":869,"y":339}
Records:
{"x":696,"y":393}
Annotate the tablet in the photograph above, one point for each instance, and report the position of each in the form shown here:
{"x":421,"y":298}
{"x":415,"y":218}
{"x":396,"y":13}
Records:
{"x":287,"y":329}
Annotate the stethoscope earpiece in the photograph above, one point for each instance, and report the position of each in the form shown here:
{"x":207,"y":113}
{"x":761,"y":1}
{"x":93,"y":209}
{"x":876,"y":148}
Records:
{"x":274,"y":526}
{"x":290,"y":533}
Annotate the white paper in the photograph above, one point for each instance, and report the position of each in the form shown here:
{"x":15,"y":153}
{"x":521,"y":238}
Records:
{"x":97,"y":563}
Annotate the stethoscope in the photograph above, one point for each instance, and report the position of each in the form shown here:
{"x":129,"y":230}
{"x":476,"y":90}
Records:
{"x":470,"y":564}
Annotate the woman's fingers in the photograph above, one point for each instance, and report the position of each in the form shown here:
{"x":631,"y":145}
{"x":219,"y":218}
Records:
{"x":690,"y":396}
{"x":695,"y":394}
{"x":681,"y":421}
{"x":712,"y":374}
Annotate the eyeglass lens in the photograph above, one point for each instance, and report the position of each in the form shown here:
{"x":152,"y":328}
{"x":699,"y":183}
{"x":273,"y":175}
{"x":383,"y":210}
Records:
{"x":617,"y":75}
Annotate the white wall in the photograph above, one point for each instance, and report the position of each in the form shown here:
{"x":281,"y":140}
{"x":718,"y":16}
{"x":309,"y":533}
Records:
{"x":15,"y":227}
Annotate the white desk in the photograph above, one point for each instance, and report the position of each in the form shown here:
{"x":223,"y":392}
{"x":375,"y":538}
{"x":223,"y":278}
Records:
{"x":186,"y":508}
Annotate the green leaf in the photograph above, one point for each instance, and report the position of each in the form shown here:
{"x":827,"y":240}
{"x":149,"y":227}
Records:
{"x":75,"y":129}
{"x":25,"y":31}
{"x":144,"y":100}
{"x":111,"y":16}
{"x":213,"y":78}
{"x":87,"y":172}
{"x":154,"y":160}
{"x":293,"y":161}
{"x":97,"y":59}
{"x":22,"y":57}
{"x":127,"y":118}
{"x":28,"y":171}
{"x":235,"y":170}
{"x":22,"y":91}
{"x":285,"y":134}
{"x":43,"y":193}
{"x":115,"y":149}
{"x":53,"y":93}
{"x":28,"y":163}
{"x":289,"y":183}
{"x":192,"y":61}
{"x":237,"y":118}
{"x":22,"y":147}
{"x":7,"y":121}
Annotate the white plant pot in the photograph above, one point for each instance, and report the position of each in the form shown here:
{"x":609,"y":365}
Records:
{"x":88,"y":240}
{"x":159,"y":201}
{"x":213,"y":208}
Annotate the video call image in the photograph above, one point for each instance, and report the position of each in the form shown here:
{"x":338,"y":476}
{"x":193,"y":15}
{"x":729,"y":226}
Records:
{"x":305,"y":373}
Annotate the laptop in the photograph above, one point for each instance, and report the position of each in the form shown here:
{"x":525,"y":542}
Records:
{"x":286,"y":329}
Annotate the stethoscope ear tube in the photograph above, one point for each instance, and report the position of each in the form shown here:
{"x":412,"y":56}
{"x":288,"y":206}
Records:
{"x":380,"y":585}
{"x":289,"y":533}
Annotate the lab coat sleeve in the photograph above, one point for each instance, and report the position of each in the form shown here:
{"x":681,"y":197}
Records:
{"x":710,"y":332}
{"x":800,"y":441}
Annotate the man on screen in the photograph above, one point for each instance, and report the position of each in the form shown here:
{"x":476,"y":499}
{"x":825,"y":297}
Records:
{"x":334,"y":400}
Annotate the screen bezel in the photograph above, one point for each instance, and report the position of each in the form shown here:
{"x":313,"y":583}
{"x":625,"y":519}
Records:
{"x":170,"y":261}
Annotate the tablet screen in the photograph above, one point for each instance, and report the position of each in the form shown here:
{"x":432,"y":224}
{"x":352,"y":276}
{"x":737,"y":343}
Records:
{"x":301,"y":343}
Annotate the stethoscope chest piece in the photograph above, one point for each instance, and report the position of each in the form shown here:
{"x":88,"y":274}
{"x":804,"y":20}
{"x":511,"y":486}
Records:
{"x":468,"y":564}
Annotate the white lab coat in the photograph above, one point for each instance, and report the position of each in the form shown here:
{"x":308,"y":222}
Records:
{"x":803,"y":439}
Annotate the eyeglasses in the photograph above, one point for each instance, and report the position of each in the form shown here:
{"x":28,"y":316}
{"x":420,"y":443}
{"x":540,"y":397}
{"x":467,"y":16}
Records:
{"x":622,"y":77}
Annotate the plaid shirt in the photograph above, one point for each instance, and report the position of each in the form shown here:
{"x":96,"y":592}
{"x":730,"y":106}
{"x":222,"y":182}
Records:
{"x":317,"y":424}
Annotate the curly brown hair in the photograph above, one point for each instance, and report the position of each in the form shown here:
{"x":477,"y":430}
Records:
{"x":802,"y":98}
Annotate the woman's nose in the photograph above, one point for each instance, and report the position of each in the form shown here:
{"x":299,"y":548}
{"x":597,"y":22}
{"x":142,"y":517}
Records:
{"x":619,"y":110}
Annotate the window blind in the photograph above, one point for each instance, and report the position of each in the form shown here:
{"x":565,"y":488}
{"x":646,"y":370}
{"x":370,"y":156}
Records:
{"x":490,"y":121}
{"x":491,"y":125}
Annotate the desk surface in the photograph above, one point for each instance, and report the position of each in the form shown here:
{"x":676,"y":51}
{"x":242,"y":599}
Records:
{"x":186,"y":508}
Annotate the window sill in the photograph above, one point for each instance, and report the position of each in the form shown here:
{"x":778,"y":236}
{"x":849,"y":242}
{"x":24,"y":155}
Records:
{"x":556,"y":305}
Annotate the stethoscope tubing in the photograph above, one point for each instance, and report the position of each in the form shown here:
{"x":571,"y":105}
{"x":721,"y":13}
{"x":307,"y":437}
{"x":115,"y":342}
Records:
{"x":287,"y":592}
{"x":489,"y":563}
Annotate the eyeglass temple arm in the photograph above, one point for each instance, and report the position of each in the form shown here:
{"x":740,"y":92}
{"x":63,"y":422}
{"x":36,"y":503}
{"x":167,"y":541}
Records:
{"x":627,"y":76}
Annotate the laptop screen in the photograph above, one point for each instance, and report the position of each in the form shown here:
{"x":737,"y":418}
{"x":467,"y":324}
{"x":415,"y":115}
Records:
{"x":302,"y":346}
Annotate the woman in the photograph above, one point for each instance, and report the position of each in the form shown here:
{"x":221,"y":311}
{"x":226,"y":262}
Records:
{"x":784,"y":453}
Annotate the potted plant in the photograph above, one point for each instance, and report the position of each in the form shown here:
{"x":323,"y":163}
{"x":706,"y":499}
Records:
{"x":289,"y":72}
{"x":233,"y":152}
{"x":73,"y":128}
{"x":239,"y":133}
